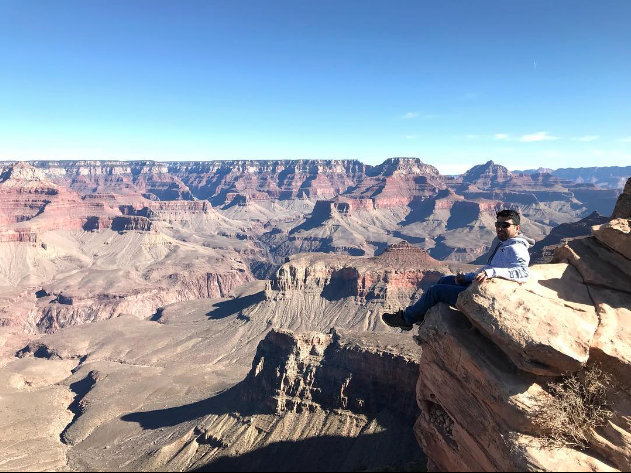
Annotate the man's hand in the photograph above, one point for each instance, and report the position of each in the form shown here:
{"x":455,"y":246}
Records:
{"x":460,"y":279}
{"x":480,"y":278}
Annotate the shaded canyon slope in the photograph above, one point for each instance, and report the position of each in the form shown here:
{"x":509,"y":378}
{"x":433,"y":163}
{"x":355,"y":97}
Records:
{"x":543,"y":251}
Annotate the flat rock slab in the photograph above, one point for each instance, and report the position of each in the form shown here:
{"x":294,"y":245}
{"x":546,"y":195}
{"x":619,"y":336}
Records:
{"x":616,"y":235}
{"x":545,"y":326}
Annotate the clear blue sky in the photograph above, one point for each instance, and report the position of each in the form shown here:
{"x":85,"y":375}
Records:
{"x":455,"y":83}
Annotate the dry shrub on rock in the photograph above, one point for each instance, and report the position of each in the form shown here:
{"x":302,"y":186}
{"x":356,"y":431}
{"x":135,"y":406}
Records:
{"x":577,"y":406}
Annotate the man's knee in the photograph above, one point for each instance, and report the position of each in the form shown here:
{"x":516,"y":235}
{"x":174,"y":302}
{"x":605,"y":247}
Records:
{"x":451,"y":280}
{"x":433,"y":294}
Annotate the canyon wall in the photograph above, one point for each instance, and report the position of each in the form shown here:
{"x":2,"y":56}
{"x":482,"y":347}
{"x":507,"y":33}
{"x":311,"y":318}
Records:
{"x":393,"y":183}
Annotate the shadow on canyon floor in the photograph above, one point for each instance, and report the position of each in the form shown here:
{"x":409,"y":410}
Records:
{"x":222,"y":403}
{"x":234,"y":306}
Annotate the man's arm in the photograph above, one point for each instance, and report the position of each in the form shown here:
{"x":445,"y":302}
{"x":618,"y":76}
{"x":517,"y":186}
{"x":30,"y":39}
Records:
{"x":518,"y":269}
{"x":469,"y":277}
{"x":515,"y":273}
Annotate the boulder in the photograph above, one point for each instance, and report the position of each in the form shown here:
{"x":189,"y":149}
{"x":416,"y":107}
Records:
{"x":545,"y":326}
{"x":623,"y":206}
{"x":598,"y":264}
{"x":477,"y":412}
{"x":616,"y":235}
{"x":481,"y":413}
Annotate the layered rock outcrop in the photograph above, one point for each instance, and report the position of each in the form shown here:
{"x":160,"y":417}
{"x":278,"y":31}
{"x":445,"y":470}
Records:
{"x":340,"y":370}
{"x":393,"y":183}
{"x":325,"y":402}
{"x":486,"y":175}
{"x":320,"y":401}
{"x":31,"y":204}
{"x":399,"y":273}
{"x":75,"y":259}
{"x":70,"y":278}
{"x":486,"y":369}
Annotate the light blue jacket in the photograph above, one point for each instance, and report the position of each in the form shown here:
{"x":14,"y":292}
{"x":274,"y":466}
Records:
{"x":509,"y":260}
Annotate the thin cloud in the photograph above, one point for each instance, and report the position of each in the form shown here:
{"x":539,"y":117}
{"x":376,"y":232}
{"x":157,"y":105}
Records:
{"x":411,"y":137}
{"x":586,"y":138}
{"x":409,"y":115}
{"x":472,"y":137}
{"x":625,"y":140}
{"x":471,"y":95}
{"x":539,"y":136}
{"x":425,"y":116}
{"x":501,"y":137}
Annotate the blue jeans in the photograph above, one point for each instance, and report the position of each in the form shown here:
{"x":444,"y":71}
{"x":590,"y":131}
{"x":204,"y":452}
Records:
{"x":445,"y":291}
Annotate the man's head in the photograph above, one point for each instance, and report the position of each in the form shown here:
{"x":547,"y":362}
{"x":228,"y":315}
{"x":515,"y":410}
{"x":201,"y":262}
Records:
{"x":508,"y":224}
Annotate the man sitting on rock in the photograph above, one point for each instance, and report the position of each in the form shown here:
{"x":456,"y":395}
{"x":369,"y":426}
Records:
{"x":509,"y":260}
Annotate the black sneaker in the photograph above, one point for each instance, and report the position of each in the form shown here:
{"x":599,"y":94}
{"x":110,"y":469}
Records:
{"x":397,"y":320}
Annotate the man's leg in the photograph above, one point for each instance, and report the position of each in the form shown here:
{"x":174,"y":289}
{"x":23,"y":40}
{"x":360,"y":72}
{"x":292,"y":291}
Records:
{"x":447,"y":290}
{"x":439,"y":293}
{"x":449,"y":280}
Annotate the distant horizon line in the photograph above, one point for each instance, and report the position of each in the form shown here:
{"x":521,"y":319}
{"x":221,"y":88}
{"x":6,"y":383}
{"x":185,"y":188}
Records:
{"x":290,"y":160}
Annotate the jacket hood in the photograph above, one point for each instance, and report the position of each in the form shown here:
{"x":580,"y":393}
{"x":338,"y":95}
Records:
{"x":520,"y":240}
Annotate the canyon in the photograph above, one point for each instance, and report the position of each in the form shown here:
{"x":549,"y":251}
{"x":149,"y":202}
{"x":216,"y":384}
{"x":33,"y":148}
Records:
{"x":227,"y":315}
{"x":288,"y":207}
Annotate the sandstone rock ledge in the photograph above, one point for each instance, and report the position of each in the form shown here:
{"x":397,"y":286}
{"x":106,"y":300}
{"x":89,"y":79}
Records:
{"x":485,"y":369}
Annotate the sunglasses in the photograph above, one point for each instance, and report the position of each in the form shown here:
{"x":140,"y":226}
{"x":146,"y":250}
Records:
{"x":504,"y":225}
